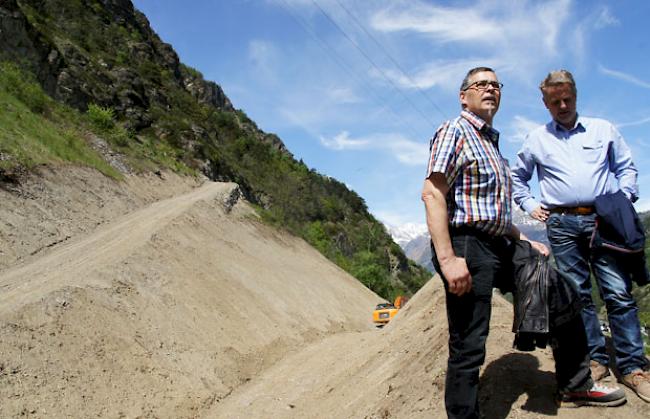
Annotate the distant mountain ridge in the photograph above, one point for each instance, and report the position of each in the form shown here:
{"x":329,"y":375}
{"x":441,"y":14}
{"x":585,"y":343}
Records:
{"x":406,"y":233}
{"x":414,"y":239}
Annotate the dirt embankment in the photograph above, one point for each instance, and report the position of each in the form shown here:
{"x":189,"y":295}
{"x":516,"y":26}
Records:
{"x":158,"y":297}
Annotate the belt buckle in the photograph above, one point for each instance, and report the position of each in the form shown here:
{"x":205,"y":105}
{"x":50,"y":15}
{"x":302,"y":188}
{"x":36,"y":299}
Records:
{"x":580,"y":210}
{"x":584,"y":210}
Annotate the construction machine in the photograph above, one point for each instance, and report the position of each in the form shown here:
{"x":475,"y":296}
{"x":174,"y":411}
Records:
{"x":384,"y":312}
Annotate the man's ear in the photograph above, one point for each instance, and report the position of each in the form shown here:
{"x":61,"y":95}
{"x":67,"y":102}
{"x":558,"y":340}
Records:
{"x":544,"y":98}
{"x":461,"y":96}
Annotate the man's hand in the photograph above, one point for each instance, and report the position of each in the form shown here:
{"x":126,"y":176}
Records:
{"x":457,"y":275}
{"x":453,"y":268}
{"x":540,"y":247}
{"x":540,"y":214}
{"x":516,"y":234}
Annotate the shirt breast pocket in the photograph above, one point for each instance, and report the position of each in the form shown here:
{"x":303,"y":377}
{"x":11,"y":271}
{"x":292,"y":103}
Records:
{"x":593,"y":152}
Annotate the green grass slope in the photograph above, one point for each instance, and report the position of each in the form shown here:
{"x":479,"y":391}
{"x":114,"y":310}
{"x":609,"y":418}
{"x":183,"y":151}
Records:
{"x":109,"y":74}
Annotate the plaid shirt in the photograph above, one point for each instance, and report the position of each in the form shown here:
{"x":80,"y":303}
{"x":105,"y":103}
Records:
{"x":466,"y":151}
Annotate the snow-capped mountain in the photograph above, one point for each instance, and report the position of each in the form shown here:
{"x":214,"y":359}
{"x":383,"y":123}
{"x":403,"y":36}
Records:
{"x":415,"y":241}
{"x":533,"y":229}
{"x":405,"y":233}
{"x":520,"y":218}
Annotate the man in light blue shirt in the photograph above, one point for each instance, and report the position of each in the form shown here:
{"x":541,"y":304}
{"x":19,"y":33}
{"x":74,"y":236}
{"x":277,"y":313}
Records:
{"x":578,"y":159}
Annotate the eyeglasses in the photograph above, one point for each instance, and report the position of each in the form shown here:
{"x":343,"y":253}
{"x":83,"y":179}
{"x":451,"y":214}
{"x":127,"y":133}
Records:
{"x":483,"y":85}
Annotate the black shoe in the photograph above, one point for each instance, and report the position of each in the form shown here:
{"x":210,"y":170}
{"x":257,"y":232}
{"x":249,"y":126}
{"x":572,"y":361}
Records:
{"x":597,"y":395}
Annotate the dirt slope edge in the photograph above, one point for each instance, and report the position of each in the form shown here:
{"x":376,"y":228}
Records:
{"x":399,"y":373}
{"x":56,"y":204}
{"x":164,"y":311}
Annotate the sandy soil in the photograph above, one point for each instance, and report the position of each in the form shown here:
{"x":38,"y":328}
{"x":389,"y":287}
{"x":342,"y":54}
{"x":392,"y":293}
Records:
{"x":165,"y":297}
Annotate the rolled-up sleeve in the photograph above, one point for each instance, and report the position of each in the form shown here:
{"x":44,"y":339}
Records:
{"x":445,"y":149}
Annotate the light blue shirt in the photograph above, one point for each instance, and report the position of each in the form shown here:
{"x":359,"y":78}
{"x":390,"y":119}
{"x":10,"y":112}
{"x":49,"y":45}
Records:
{"x":573,"y":166}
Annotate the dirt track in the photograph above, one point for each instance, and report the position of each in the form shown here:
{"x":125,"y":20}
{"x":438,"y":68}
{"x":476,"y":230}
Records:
{"x":153,"y":298}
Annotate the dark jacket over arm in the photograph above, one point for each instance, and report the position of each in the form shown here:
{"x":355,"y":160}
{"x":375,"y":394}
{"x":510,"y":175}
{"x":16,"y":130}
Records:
{"x":543,"y":300}
{"x":619,"y":234}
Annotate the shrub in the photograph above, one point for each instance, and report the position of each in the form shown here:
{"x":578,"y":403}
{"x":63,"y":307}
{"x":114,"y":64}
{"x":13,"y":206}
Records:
{"x":23,"y":86}
{"x":101,"y":117}
{"x":192,"y":71}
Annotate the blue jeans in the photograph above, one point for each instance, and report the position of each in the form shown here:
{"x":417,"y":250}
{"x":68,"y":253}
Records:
{"x":569,"y":236}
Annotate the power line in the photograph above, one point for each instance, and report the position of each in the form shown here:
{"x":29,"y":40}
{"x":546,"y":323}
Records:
{"x":393,"y":60}
{"x":341,"y":62}
{"x":370,"y":60}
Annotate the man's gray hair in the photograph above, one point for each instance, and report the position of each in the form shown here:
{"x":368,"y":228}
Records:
{"x":471,"y":72}
{"x":558,"y":77}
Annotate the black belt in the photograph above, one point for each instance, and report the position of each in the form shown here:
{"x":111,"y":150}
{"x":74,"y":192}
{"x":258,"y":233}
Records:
{"x":584,"y":210}
{"x":472,"y":231}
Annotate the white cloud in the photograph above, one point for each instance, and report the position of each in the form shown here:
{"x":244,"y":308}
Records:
{"x":623,"y":76}
{"x":550,"y":17}
{"x":579,"y":42}
{"x":397,"y":219}
{"x":642,"y":205}
{"x":342,"y":95}
{"x":263,"y":56}
{"x":598,"y":19}
{"x":261,"y":52}
{"x":634,"y":123}
{"x":521,"y":126}
{"x":441,"y":73}
{"x":486,"y":22}
{"x":441,"y":23}
{"x":405,"y":151}
{"x":342,"y":141}
{"x":514,"y":37}
{"x":408,"y":152}
{"x":605,"y":19}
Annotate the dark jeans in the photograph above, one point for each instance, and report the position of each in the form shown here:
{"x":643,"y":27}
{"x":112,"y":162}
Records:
{"x":569,"y":236}
{"x":489,"y":262}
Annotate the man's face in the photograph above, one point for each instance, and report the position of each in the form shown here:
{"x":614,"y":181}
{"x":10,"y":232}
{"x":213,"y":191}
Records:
{"x":482,"y":100}
{"x":561,"y":103}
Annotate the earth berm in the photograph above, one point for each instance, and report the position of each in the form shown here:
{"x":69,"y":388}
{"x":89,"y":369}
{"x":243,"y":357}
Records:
{"x":166,"y":297}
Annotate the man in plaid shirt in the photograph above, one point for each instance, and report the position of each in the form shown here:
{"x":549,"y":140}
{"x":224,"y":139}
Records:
{"x":467,"y":197}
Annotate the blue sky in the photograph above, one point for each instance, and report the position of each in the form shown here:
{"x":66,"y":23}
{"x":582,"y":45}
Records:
{"x":355,"y":88}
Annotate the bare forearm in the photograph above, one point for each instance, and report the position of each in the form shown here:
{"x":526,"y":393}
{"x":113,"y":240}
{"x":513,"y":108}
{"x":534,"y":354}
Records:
{"x":454,"y":268}
{"x":435,"y":205}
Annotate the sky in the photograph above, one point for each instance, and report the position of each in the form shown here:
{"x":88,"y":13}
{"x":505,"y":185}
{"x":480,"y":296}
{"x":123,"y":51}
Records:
{"x":356,"y":88}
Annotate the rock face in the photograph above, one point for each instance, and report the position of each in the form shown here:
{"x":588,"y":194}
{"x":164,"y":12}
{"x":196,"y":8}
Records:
{"x":419,"y":250}
{"x":204,"y":91}
{"x":59,"y":42}
{"x":21,"y":42}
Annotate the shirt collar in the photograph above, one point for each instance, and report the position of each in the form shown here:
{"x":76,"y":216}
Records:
{"x":579,"y":126}
{"x":480,"y":125}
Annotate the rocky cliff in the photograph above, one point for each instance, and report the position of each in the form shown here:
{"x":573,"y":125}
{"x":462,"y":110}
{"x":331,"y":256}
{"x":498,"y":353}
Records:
{"x":59,"y":41}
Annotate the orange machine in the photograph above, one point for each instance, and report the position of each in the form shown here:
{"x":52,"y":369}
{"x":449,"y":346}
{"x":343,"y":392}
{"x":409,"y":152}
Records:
{"x":384,"y":312}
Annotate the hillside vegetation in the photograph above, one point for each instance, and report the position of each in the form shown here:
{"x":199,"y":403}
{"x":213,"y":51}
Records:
{"x":642,"y":294}
{"x":88,"y":82}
